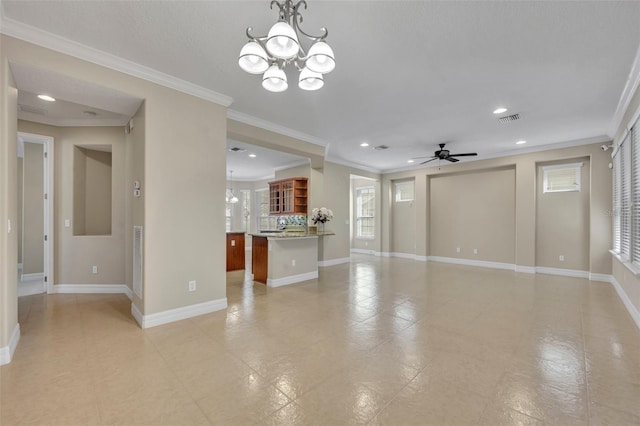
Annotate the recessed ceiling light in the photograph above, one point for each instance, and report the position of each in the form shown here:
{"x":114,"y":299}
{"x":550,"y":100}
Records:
{"x":364,"y":144}
{"x":252,"y":155}
{"x":410,"y":161}
{"x":500,"y":110}
{"x":46,"y":98}
{"x":521,"y":142}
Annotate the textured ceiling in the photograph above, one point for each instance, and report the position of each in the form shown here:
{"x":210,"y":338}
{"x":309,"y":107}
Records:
{"x":409,"y":74}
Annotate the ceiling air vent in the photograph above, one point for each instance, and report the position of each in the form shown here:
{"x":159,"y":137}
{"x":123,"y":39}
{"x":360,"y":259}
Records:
{"x":380,"y":147}
{"x":32,"y":110}
{"x":508,"y":118}
{"x":236,"y":149}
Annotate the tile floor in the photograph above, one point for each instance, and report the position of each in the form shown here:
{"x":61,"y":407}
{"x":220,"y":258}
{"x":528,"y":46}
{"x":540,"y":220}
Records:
{"x":378,"y":341}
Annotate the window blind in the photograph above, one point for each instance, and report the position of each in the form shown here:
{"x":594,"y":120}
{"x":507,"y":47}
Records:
{"x":635,"y":185}
{"x":616,"y":202}
{"x":562,"y":177}
{"x":625,"y":198}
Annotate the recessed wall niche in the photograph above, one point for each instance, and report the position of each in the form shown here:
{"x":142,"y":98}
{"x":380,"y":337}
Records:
{"x":92,"y":190}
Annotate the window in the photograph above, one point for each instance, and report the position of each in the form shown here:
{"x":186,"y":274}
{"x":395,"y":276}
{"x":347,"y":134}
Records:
{"x":562,"y":177}
{"x":365,"y":212}
{"x":404,"y":191}
{"x":264,"y":221}
{"x":626,"y":199}
{"x":245,"y":200}
{"x":229,"y":216}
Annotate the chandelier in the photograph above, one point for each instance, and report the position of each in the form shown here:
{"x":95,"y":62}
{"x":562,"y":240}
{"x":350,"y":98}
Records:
{"x":269,"y":55}
{"x":230,"y":196}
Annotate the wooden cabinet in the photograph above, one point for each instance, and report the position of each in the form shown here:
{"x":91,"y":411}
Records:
{"x":235,"y":251}
{"x":288,"y":196}
{"x":260,"y":259}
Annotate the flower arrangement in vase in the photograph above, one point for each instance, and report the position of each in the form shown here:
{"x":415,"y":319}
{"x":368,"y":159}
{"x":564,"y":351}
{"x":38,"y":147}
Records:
{"x":321,"y":215}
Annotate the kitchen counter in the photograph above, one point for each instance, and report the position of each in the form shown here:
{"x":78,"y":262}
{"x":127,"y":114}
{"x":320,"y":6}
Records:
{"x":283,"y":258}
{"x":281,"y":235}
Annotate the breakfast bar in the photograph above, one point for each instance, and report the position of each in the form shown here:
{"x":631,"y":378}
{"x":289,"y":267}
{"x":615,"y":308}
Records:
{"x":284,"y":258}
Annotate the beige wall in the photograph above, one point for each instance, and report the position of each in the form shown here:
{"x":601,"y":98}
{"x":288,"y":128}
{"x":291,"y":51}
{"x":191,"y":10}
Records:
{"x":562,"y":222}
{"x":524,"y":218}
{"x":337,"y":197}
{"x":134,"y":206}
{"x":76,"y":255}
{"x":19,"y":217}
{"x":98,"y":192}
{"x":283,"y":251}
{"x":33,"y":209}
{"x":184,"y":168}
{"x":297,"y":171}
{"x":8,"y":200}
{"x":474,"y":210}
{"x":403,"y":219}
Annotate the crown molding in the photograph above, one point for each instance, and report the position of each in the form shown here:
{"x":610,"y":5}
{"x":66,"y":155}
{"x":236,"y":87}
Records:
{"x":60,"y":44}
{"x":630,"y":88}
{"x":513,"y":152}
{"x":353,"y":165}
{"x":73,"y":122}
{"x":273,"y":127}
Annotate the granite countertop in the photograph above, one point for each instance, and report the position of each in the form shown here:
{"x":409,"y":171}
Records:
{"x":290,"y":234}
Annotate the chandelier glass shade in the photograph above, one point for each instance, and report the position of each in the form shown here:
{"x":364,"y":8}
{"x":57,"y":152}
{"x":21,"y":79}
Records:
{"x":230,"y":196}
{"x":269,"y":55}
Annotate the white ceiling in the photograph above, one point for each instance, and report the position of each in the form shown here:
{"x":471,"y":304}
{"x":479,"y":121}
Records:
{"x":410,"y":74}
{"x":262,"y":166}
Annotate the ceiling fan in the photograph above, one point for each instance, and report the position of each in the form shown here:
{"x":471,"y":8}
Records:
{"x":443,"y":154}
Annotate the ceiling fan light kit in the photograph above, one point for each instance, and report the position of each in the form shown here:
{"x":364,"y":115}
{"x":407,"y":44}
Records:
{"x":272,"y":53}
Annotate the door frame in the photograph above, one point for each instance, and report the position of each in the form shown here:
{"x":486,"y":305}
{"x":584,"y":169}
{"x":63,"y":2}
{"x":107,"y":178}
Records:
{"x":47,"y":142}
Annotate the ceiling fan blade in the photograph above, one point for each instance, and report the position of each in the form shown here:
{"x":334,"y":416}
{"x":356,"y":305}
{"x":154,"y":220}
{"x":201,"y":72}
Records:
{"x":453,"y":160}
{"x":467,"y":154}
{"x":425,"y":162}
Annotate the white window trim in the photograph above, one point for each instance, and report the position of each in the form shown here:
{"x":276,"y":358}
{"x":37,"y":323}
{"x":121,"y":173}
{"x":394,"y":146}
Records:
{"x":397,"y":193}
{"x":358,"y":237}
{"x":562,"y":166}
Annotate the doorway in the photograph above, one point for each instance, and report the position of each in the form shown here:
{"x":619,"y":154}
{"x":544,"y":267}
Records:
{"x":35,"y":214}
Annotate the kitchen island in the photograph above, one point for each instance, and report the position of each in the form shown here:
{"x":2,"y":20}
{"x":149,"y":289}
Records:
{"x":284,"y":258}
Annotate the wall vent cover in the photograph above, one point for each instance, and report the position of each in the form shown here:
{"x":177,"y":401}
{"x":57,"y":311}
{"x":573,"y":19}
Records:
{"x":236,"y":149}
{"x":137,"y":261}
{"x":508,"y":118}
{"x":380,"y":147}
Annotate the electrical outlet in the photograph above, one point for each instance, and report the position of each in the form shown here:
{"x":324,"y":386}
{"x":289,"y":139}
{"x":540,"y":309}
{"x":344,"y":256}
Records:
{"x":293,"y":262}
{"x":94,"y":269}
{"x":561,"y":258}
{"x":457,"y":249}
{"x":192,"y":286}
{"x":67,"y":223}
{"x":475,"y":251}
{"x":233,"y":243}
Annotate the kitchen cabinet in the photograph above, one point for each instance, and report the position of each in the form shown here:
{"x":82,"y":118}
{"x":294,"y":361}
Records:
{"x":235,"y":251}
{"x":288,"y":196}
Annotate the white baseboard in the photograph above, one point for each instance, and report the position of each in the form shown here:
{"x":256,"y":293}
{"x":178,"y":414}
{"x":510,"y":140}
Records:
{"x":564,"y":272}
{"x":525,"y":269}
{"x":470,"y":262}
{"x":292,"y":279}
{"x":6,"y":352}
{"x":172,"y":315}
{"x":364,"y":251}
{"x":38,"y":276}
{"x":93,"y":289}
{"x":331,"y":262}
{"x":633,"y":311}
{"x":601,"y":277}
{"x":29,"y":288}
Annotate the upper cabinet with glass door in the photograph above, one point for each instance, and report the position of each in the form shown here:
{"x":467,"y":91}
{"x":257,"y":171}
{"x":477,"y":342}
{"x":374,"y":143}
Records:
{"x":288,"y":196}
